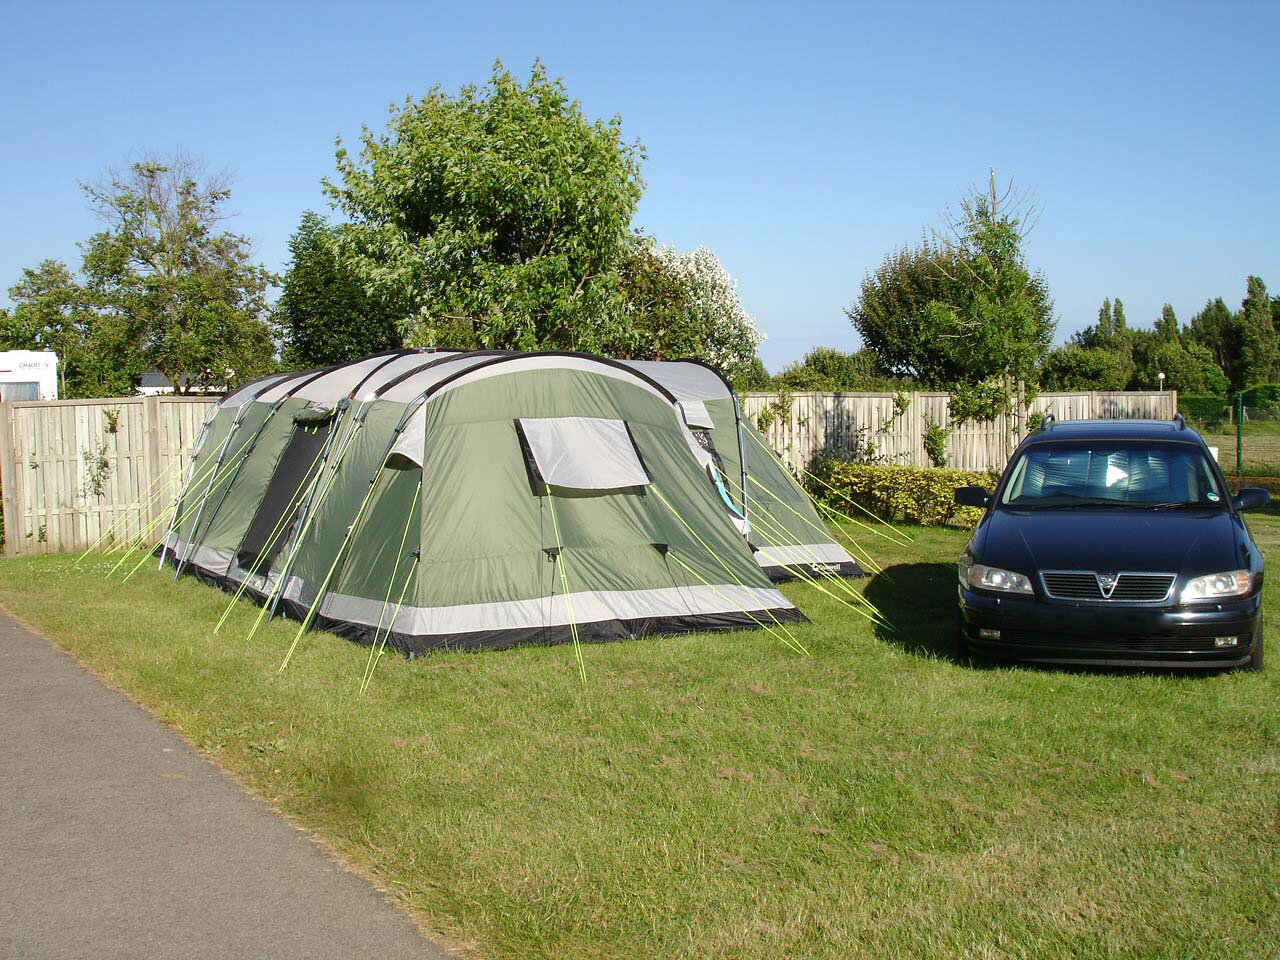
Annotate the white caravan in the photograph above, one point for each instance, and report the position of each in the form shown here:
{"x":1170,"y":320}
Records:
{"x":28,"y":375}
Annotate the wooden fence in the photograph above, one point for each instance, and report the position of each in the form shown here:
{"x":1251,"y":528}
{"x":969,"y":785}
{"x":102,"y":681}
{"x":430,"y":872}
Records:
{"x":71,"y":469}
{"x":890,"y":428}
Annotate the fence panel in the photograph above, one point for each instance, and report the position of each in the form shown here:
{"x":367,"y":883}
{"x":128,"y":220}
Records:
{"x":879,"y":427}
{"x":74,"y":470}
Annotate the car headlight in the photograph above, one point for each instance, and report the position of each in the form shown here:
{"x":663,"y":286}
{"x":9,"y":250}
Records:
{"x":1217,"y":586}
{"x":1001,"y":581}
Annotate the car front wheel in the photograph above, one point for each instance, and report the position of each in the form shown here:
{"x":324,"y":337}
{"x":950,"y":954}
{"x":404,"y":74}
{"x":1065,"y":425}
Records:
{"x":1255,"y":661}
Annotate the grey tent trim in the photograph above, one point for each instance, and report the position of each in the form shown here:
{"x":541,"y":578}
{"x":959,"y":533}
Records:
{"x":589,"y":606}
{"x":529,"y":362}
{"x":776,"y":556}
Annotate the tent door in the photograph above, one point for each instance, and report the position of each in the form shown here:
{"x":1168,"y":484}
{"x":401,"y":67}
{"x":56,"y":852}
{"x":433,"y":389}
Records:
{"x":297,"y":466}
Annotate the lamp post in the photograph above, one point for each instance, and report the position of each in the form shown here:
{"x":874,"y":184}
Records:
{"x":1161,"y":378}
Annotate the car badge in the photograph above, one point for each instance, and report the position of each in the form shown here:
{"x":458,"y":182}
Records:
{"x":1106,"y":583}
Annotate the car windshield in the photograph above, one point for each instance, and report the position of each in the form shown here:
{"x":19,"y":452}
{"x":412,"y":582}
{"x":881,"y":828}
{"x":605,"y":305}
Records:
{"x":1128,"y":474}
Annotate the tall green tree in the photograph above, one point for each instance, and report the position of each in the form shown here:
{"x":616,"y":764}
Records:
{"x":324,"y":315}
{"x":1259,"y":341}
{"x":189,"y":292}
{"x":1219,"y":330}
{"x":1167,"y":328}
{"x":1118,"y":322}
{"x":496,"y":217}
{"x":963,"y":311}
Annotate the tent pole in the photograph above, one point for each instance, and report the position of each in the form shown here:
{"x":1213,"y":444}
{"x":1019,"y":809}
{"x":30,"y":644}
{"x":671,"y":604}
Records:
{"x":878,"y":533}
{"x":148,"y":495}
{"x":137,"y":541}
{"x":786,"y":638}
{"x":304,"y":521}
{"x":716,"y":556}
{"x":324,"y":586}
{"x":564,"y":586}
{"x":235,"y":426}
{"x":303,"y":488}
{"x":222,"y":497}
{"x":373,"y":665}
{"x":273,"y":598}
{"x":391,"y":582}
{"x":190,"y":472}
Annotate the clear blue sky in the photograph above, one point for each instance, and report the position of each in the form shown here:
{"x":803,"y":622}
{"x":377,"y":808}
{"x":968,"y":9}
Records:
{"x":800,"y":142}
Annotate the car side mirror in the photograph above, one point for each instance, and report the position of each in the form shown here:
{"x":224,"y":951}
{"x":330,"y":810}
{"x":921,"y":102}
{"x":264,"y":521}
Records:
{"x":974,"y":497}
{"x":1252,"y":498}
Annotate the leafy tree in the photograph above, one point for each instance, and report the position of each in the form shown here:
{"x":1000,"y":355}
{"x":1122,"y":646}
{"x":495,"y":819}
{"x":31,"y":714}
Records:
{"x":754,"y":377}
{"x":825,"y":368}
{"x":1219,"y":330}
{"x":655,"y":303}
{"x":324,"y":316}
{"x":1084,"y":368}
{"x":962,"y":311}
{"x":494,"y":218}
{"x":1189,"y":369}
{"x":1259,"y":342}
{"x":903,"y":318}
{"x":724,"y":334}
{"x":53,"y":311}
{"x":189,"y":294}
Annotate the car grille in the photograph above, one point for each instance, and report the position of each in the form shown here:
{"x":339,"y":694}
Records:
{"x":1129,"y":587}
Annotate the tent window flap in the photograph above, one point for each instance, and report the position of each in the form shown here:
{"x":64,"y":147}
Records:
{"x":584,"y":453}
{"x":695,"y":414}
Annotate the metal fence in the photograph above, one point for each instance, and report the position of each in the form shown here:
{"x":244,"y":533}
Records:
{"x":1243,"y":426}
{"x":891,"y":428}
{"x":72,"y":471}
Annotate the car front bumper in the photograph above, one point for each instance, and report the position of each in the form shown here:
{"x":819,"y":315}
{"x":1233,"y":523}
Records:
{"x":1104,"y":634}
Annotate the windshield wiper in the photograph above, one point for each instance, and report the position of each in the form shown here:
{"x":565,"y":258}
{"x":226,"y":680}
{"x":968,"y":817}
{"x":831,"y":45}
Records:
{"x":1180,"y":505}
{"x":1070,"y":505}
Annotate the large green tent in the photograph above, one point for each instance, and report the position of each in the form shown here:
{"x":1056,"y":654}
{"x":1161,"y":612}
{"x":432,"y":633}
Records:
{"x":484,"y":499}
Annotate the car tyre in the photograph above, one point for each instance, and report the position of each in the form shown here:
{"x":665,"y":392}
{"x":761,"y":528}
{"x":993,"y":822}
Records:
{"x":1255,"y":661}
{"x":962,"y":642}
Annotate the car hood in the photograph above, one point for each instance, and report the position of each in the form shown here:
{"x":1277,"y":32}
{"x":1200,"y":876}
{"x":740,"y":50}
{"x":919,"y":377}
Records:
{"x":1189,"y":542}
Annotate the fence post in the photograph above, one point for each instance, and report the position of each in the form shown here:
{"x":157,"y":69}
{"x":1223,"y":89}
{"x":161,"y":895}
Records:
{"x":8,"y":472}
{"x":1239,"y":433}
{"x":151,"y":432}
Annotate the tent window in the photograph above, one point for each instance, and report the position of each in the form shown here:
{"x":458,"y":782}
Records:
{"x":583,"y":453}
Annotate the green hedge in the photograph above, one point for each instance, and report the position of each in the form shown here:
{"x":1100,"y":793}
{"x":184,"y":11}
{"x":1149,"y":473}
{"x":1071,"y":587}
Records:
{"x":908,"y":494}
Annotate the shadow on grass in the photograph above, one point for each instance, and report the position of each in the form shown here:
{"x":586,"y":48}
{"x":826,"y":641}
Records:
{"x":919,"y":601}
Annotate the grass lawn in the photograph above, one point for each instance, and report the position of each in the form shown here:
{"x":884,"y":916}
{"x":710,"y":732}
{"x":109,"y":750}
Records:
{"x":719,"y":796}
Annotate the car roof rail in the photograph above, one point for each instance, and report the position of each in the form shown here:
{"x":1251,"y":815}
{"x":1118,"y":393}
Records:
{"x":1047,"y":421}
{"x":1180,"y":420}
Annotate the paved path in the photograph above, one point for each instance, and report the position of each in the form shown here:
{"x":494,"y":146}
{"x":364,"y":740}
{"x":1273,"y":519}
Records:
{"x":118,"y":840}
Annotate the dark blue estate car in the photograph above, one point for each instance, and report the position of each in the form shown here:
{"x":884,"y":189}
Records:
{"x":1113,"y":542}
